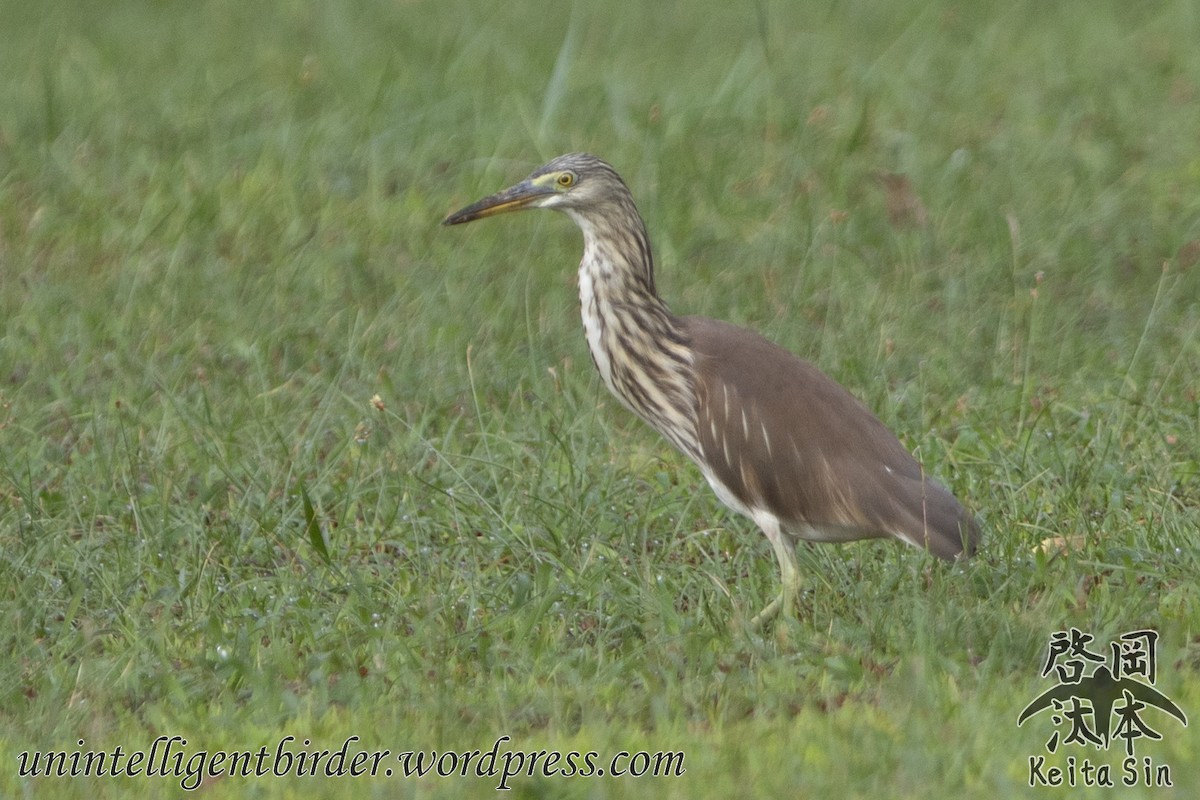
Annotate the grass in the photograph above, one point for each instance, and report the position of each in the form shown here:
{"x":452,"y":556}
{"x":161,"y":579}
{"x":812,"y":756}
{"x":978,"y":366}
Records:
{"x":219,"y":241}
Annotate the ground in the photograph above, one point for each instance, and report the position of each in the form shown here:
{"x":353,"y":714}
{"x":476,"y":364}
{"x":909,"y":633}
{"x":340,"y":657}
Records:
{"x":282,"y":457}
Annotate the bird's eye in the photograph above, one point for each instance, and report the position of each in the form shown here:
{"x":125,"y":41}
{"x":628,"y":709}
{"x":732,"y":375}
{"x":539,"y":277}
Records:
{"x":566,"y":180}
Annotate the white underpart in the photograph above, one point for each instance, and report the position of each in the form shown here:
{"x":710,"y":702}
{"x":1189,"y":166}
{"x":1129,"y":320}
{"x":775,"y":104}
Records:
{"x":592,"y":327}
{"x":761,"y":515}
{"x":723,"y":494}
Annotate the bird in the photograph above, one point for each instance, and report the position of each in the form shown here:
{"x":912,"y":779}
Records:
{"x":777,"y":440}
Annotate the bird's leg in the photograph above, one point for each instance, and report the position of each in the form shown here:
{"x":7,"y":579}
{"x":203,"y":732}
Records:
{"x":789,"y":574}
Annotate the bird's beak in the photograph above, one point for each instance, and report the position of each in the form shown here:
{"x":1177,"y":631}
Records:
{"x":513,"y":198}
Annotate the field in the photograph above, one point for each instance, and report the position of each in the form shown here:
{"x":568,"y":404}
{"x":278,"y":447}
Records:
{"x":281,"y":456}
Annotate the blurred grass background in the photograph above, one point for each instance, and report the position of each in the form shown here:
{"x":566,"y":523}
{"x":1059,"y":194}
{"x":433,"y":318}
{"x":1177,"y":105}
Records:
{"x":219,"y":241}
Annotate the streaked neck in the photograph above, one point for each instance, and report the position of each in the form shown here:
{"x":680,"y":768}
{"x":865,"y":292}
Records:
{"x":637,"y":344}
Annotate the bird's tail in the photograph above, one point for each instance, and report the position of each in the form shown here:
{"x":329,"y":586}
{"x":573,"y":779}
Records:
{"x":943,"y":526}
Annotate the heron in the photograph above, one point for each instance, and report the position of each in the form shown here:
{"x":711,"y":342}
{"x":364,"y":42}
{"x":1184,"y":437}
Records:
{"x":777,"y":440}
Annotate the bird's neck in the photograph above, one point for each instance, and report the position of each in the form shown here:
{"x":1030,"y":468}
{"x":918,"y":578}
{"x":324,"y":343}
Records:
{"x":639,"y":347}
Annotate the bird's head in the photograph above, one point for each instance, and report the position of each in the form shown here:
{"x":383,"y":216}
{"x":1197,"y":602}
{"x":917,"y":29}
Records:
{"x":574,"y":182}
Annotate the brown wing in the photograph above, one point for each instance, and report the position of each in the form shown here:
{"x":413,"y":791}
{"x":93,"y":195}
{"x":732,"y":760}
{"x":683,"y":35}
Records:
{"x":781,"y":435}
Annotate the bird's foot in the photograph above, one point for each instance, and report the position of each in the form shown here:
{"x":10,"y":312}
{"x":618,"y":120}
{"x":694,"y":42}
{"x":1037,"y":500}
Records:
{"x":780,"y":607}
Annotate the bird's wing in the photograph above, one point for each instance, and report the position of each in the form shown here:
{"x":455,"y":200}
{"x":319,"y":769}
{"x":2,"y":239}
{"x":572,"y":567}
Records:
{"x":782,"y":435}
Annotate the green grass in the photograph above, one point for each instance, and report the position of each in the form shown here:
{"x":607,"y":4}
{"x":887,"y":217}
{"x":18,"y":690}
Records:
{"x":219,"y":240}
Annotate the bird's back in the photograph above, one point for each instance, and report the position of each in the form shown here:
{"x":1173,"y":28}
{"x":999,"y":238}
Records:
{"x":781,"y":436}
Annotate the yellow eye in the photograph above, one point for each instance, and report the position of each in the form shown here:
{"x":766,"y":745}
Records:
{"x":566,"y":179}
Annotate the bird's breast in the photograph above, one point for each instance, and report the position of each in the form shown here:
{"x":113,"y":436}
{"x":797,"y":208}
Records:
{"x":640,"y":360}
{"x":593,"y":327}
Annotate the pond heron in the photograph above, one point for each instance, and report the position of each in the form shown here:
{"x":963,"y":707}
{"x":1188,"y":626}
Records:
{"x":777,"y":440}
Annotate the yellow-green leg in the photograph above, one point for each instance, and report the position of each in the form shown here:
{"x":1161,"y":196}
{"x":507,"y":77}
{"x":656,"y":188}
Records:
{"x":785,"y":554}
